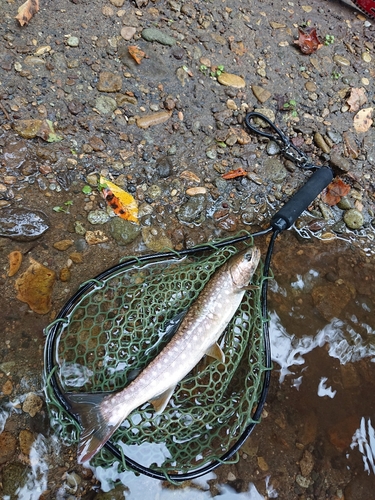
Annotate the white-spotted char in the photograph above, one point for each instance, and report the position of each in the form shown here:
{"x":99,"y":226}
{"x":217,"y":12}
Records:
{"x":101,"y":414}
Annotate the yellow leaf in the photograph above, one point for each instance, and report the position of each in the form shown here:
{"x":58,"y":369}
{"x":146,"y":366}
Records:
{"x":363,"y":120}
{"x":121,"y":202}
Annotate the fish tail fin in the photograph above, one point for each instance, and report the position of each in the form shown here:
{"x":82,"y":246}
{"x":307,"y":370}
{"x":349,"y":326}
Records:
{"x":96,"y":430}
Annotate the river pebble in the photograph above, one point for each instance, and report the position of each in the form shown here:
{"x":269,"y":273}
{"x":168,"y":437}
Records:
{"x":353,"y":218}
{"x":98,"y":217}
{"x":260,"y":93}
{"x":192,"y":210}
{"x":105,"y":104}
{"x":231,"y":80}
{"x":73,"y":41}
{"x":156,"y":239}
{"x":109,"y":82}
{"x":156,"y":35}
{"x":22,"y":224}
{"x":123,"y":231}
{"x":32,"y":404}
{"x":26,"y":440}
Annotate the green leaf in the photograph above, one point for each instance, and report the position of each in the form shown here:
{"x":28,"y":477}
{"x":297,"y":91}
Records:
{"x":87,"y":189}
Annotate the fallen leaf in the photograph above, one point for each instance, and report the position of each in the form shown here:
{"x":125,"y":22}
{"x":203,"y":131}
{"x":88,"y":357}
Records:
{"x":26,"y":11}
{"x":15,"y":260}
{"x":356,"y":99}
{"x":47,"y":132}
{"x":34,"y":287}
{"x":136,"y":53}
{"x":308,"y":41}
{"x":363,"y":120}
{"x":335,"y":191}
{"x":121,"y":202}
{"x":232,"y":174}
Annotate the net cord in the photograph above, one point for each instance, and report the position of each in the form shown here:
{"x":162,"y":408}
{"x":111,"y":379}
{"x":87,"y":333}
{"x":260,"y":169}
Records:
{"x":52,"y":337}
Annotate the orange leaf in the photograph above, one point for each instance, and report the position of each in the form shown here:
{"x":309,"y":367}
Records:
{"x":121,"y":202}
{"x":232,"y":174}
{"x":335,"y":191}
{"x":308,"y":41}
{"x":27,"y":10}
{"x":136,"y":53}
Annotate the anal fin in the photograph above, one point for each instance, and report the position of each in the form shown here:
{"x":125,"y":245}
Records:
{"x":160,"y":402}
{"x":216,"y":352}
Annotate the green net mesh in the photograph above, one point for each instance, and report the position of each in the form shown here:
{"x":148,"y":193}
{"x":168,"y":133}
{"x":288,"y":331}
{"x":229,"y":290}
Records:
{"x":122,"y":323}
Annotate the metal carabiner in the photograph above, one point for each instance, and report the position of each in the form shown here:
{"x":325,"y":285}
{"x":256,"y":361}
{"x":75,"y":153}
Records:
{"x":288,"y":149}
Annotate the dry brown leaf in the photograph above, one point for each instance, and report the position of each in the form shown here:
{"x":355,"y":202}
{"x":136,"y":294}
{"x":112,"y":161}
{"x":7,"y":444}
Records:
{"x":34,"y":287}
{"x":335,"y":191}
{"x":363,"y":120}
{"x":308,"y":40}
{"x":26,"y":11}
{"x":356,"y":99}
{"x":15,"y":260}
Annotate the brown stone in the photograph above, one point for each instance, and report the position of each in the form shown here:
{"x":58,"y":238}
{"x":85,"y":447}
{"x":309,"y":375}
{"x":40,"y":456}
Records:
{"x":109,"y":82}
{"x":32,"y":404}
{"x":330,"y":299}
{"x":26,"y":440}
{"x":63,"y":244}
{"x":7,"y":446}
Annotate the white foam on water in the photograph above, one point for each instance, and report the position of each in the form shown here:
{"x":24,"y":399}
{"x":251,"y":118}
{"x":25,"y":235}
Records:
{"x":36,"y":482}
{"x":364,"y":438}
{"x":325,"y":391}
{"x":344,"y":342}
{"x":141,"y":487}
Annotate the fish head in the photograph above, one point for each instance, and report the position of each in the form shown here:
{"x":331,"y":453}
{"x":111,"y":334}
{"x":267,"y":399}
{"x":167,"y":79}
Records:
{"x":243,"y":265}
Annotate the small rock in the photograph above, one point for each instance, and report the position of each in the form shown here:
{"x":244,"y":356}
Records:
{"x":231,"y":80}
{"x":7,"y":446}
{"x":117,"y":3}
{"x":353,"y":218}
{"x":196,"y":190}
{"x":95,"y":237}
{"x":7,"y":388}
{"x":73,"y":41}
{"x":97,"y":143}
{"x":123,"y":231}
{"x":192,"y":210}
{"x":339,"y":161}
{"x":156,"y":35}
{"x":26,"y":440}
{"x":105,"y":104}
{"x":65,"y":274}
{"x":274,"y":170}
{"x":28,"y":129}
{"x":75,"y":107}
{"x":127,"y":32}
{"x":304,"y":482}
{"x":366,"y":57}
{"x":321,"y":143}
{"x":153,"y":119}
{"x":98,"y":217}
{"x":272,"y":148}
{"x":109,"y":82}
{"x":306,"y":463}
{"x":262,"y":464}
{"x":330,"y":299}
{"x":261,"y":94}
{"x":310,"y":86}
{"x":268,"y":113}
{"x":63,"y":245}
{"x":155,"y":239}
{"x":341,"y":61}
{"x":32,"y":404}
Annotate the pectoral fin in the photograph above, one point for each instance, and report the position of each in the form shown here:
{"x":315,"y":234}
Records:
{"x":160,"y":402}
{"x":216,"y":352}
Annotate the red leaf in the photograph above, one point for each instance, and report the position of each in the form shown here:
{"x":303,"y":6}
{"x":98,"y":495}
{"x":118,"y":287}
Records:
{"x":335,"y":191}
{"x":232,"y":174}
{"x":308,"y":41}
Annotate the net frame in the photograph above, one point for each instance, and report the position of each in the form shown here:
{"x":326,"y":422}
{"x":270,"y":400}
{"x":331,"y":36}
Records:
{"x":68,"y":425}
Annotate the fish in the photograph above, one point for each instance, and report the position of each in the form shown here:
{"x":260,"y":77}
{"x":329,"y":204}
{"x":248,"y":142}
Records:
{"x":100,"y":414}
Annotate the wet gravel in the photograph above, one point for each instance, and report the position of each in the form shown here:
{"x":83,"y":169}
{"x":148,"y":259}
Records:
{"x":75,"y":104}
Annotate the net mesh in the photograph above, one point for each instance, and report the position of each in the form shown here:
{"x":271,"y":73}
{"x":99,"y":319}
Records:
{"x":121,"y":323}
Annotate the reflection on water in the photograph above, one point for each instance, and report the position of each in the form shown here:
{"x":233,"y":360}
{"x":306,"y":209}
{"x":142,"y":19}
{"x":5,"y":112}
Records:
{"x":364,"y":438}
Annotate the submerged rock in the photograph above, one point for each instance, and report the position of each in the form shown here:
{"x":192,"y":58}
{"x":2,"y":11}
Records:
{"x":22,"y":224}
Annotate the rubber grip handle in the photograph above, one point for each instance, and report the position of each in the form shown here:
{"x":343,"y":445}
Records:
{"x":289,"y":213}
